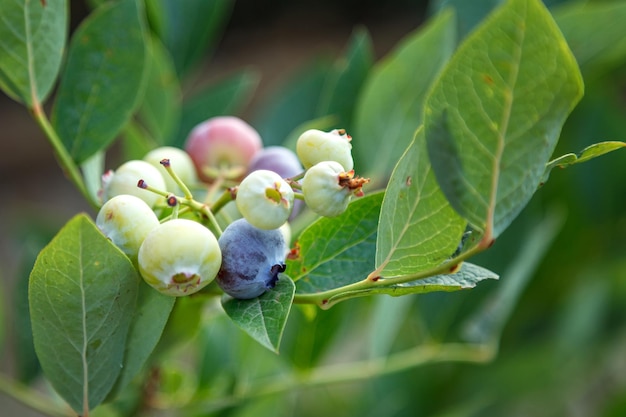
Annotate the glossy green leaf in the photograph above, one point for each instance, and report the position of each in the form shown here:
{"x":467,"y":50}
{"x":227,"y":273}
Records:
{"x":338,"y":251}
{"x":82,"y":293}
{"x":264,"y":317}
{"x":494,"y":116}
{"x":467,"y":277}
{"x":418,"y":228}
{"x":390,"y":108}
{"x":225,"y":97}
{"x":103,"y":79}
{"x":160,"y":110}
{"x":188,"y":28}
{"x":32,"y":38}
{"x":594,"y":31}
{"x":590,"y":152}
{"x":150,"y":315}
{"x":345,"y":79}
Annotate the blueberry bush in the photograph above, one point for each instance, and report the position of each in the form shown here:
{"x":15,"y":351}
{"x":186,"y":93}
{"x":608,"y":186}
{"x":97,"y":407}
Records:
{"x":218,"y":242}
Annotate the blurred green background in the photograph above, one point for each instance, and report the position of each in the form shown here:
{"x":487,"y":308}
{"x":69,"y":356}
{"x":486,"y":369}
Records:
{"x":556,"y":320}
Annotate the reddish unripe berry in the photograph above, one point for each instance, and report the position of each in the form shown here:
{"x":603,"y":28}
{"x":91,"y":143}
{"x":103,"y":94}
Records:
{"x":223,"y":142}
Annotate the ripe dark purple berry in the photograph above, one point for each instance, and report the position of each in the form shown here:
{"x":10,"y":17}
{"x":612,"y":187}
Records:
{"x":252,"y":258}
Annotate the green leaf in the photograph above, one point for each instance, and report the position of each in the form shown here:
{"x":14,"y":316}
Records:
{"x":150,"y":316}
{"x":188,"y":28}
{"x":225,"y":97}
{"x":160,"y":109}
{"x":338,"y":251}
{"x":82,"y":293}
{"x":418,"y":228}
{"x":390,"y":108}
{"x":32,"y":38}
{"x":264,"y":317}
{"x":345,"y":79}
{"x":594,"y":31}
{"x":590,"y":152}
{"x":103,"y":80}
{"x":494,"y":116}
{"x":468,"y":276}
{"x":295,"y":102}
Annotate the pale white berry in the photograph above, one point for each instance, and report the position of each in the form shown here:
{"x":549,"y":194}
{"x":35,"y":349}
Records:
{"x":315,"y":146}
{"x":180,"y":257}
{"x":264,"y":199}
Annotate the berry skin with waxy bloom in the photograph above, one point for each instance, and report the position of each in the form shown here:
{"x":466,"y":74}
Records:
{"x":222,"y":143}
{"x":252,"y":258}
{"x":282,"y":161}
{"x":315,"y":146}
{"x":327,"y":188}
{"x":264,"y":199}
{"x":125,"y":178}
{"x":181,"y":164}
{"x":179,"y":257}
{"x":126,"y":220}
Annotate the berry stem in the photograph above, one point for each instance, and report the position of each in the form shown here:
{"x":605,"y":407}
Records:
{"x":227,"y":196}
{"x":66,"y":161}
{"x":168,"y":167}
{"x":327,"y":299}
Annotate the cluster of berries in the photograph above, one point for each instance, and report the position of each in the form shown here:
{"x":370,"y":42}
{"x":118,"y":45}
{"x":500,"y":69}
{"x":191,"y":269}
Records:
{"x":180,"y":256}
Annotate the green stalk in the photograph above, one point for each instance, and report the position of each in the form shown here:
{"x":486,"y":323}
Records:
{"x":64,"y":159}
{"x":32,"y":399}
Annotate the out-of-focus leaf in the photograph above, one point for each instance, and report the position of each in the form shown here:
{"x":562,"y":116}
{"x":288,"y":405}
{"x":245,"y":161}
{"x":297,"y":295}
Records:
{"x":390,"y":108}
{"x":594,"y":31}
{"x":345,"y":80}
{"x":495,"y":115}
{"x":294,"y":103}
{"x":81,"y":294}
{"x":590,"y":152}
{"x":92,"y":170}
{"x":160,"y":108}
{"x":486,"y":324}
{"x":418,"y":228}
{"x":32,"y":39}
{"x":188,"y":28}
{"x":223,"y":98}
{"x":103,"y":79}
{"x":263,"y":317}
{"x":338,"y":251}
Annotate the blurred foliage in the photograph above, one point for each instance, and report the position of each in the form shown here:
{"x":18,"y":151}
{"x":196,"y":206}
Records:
{"x":561,"y":351}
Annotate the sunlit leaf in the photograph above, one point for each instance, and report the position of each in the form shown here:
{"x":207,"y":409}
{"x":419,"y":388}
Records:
{"x":418,"y":228}
{"x":590,"y":152}
{"x":494,"y":117}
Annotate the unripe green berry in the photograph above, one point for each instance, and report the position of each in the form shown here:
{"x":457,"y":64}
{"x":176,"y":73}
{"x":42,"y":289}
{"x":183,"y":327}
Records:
{"x":180,"y":162}
{"x":126,"y":220}
{"x":322,"y":191}
{"x":125,"y":178}
{"x":264,"y":199}
{"x":179,"y":257}
{"x":315,"y":146}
